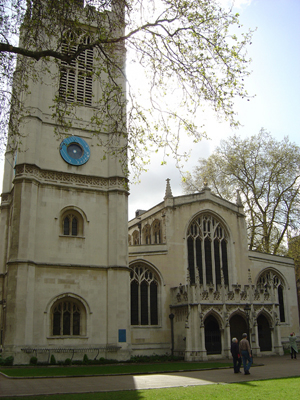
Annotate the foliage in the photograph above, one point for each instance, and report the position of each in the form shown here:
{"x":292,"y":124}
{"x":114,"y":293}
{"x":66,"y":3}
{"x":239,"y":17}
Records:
{"x":187,"y":50}
{"x":68,"y":361}
{"x":266,"y":172}
{"x":52,"y":360}
{"x":6,"y":362}
{"x":33,"y":360}
{"x":85,"y":359}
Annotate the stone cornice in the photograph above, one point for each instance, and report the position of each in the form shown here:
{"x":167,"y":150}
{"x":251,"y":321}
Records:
{"x":32,"y":172}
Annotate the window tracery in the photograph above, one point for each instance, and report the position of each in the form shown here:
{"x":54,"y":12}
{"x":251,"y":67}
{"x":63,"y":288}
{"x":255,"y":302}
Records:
{"x":67,"y":318}
{"x":144,"y":285}
{"x":269,"y":279}
{"x":156,"y":231}
{"x":147,"y":234}
{"x":207,"y":250}
{"x":71,"y":223}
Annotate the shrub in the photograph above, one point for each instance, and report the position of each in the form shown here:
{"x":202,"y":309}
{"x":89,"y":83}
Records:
{"x":85,"y":359}
{"x":33,"y":360}
{"x":68,"y":361}
{"x":8,"y":361}
{"x":52,"y":360}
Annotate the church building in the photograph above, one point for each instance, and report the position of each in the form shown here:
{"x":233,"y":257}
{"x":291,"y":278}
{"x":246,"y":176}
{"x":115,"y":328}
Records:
{"x":76,"y":278}
{"x":195,"y":285}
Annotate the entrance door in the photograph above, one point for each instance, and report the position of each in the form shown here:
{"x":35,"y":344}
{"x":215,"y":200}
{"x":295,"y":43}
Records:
{"x":264,"y":334}
{"x":212,"y":336}
{"x":238,"y":326}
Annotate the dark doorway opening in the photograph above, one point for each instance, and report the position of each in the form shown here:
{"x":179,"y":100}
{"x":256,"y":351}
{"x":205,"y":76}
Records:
{"x":212,"y":336}
{"x":238,"y":326}
{"x":264,"y":334}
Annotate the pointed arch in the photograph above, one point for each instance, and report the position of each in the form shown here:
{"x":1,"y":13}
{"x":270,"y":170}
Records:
{"x":207,"y":241}
{"x":271,"y":278}
{"x":145,"y":286}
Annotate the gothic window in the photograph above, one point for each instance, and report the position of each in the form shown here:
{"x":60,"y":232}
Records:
{"x":207,"y":250}
{"x":156,"y":231}
{"x":269,"y":279}
{"x":67,"y":318}
{"x":72,"y":223}
{"x":76,"y":78}
{"x":136,"y":237}
{"x":144,"y":295}
{"x":147,"y":234}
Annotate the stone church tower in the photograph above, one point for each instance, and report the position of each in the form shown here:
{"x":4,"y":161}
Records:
{"x":64,"y":280}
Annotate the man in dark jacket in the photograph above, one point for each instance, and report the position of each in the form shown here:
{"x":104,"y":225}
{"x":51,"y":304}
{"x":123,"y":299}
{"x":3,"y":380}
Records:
{"x":237,"y":360}
{"x":246,"y":353}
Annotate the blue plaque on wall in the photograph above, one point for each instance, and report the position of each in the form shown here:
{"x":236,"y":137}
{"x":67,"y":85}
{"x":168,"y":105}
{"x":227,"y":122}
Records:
{"x":122,"y":335}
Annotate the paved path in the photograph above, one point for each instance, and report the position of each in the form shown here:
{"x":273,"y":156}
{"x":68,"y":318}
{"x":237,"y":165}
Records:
{"x":273,"y":367}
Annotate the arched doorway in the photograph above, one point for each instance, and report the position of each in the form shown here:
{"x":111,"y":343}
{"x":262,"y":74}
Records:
{"x":238,"y":326}
{"x":212,"y":336}
{"x":264,"y":334}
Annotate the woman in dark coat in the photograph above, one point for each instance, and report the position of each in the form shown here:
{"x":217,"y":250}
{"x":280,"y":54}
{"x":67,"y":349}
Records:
{"x":237,"y":360}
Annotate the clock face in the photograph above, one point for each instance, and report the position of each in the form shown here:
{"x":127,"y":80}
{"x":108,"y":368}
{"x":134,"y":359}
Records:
{"x":74,"y":150}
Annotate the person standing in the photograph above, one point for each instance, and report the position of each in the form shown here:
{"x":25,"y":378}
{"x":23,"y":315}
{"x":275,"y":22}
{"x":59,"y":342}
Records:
{"x":293,"y":345}
{"x":237,"y":361}
{"x":246,"y":353}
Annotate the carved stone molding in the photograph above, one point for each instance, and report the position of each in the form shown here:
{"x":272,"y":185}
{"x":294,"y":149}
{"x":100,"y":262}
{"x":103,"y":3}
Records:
{"x":46,"y":176}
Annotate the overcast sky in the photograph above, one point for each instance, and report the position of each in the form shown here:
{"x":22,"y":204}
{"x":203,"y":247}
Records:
{"x":275,"y":80}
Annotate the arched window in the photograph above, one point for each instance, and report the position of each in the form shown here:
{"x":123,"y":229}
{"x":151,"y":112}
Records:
{"x":71,"y":223}
{"x":144,"y":295}
{"x":68,"y":317}
{"x":207,"y":250}
{"x":76,"y":83}
{"x":269,"y":279}
{"x":147,"y":234}
{"x":136,"y":237}
{"x":156,"y":231}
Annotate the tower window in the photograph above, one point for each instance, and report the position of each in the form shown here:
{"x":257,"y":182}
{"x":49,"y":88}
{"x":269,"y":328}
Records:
{"x":76,"y":78}
{"x":71,"y":223}
{"x":67,"y":318}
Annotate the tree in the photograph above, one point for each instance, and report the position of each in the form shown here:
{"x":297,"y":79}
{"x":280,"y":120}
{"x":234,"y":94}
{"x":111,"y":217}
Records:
{"x":189,"y":49}
{"x":267,"y":174}
{"x":294,"y":252}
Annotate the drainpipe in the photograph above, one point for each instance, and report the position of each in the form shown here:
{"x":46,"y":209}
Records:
{"x":171,"y":316}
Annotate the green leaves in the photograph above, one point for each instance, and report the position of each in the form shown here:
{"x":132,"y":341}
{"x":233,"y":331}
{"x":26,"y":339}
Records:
{"x":267,"y":173}
{"x":187,"y":55}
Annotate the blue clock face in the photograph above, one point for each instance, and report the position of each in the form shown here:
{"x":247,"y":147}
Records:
{"x":74,"y":150}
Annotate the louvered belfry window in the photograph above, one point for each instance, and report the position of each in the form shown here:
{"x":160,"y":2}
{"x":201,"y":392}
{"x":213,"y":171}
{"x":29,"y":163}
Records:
{"x":76,"y":78}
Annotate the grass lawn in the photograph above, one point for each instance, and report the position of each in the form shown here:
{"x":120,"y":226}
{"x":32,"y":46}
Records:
{"x":274,"y":389}
{"x":110,"y":369}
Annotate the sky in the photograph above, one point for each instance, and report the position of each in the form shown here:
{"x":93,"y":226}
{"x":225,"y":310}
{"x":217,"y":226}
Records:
{"x":275,"y":82}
